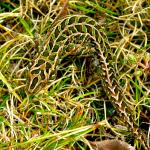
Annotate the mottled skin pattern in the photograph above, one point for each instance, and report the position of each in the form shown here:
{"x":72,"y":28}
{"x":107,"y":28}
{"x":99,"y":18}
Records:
{"x":81,"y":34}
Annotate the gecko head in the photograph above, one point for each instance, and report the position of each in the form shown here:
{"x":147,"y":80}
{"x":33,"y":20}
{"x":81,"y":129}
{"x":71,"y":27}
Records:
{"x":111,"y":145}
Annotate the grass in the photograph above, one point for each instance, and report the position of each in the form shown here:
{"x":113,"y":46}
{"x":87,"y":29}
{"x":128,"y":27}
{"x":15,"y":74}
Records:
{"x":72,"y":108}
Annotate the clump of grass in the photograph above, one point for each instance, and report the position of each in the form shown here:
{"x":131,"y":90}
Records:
{"x":73,"y":107}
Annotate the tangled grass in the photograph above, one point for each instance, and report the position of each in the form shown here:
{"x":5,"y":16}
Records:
{"x":72,"y":109}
